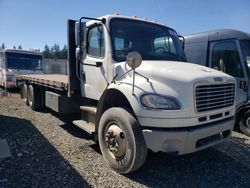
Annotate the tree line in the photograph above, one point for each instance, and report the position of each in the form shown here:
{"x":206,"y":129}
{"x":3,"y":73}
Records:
{"x":53,"y":52}
{"x":3,"y":46}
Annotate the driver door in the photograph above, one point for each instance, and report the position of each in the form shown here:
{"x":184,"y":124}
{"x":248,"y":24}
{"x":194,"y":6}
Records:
{"x":94,"y":75}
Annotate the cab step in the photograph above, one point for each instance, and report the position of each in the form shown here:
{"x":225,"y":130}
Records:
{"x":88,"y":113}
{"x":90,"y":109}
{"x":86,"y":126}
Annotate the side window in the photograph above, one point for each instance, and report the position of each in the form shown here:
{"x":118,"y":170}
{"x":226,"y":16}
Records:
{"x":96,"y":46}
{"x":226,"y":54}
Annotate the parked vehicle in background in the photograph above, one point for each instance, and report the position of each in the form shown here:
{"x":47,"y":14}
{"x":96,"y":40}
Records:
{"x":14,"y":62}
{"x":127,"y":77}
{"x":228,"y":51}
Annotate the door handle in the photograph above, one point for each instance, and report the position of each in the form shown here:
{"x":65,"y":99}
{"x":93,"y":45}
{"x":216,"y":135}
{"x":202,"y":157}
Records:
{"x":97,"y":64}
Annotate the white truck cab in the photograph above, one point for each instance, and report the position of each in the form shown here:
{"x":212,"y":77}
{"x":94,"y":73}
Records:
{"x":136,"y":92}
{"x":181,"y":108}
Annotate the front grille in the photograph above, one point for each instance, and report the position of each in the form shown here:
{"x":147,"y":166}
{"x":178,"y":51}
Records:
{"x":212,"y":97}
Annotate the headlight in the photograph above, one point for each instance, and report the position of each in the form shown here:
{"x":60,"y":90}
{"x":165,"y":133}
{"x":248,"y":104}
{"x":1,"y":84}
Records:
{"x":155,"y":101}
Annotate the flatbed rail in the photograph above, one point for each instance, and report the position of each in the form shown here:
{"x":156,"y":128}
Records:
{"x":55,"y":81}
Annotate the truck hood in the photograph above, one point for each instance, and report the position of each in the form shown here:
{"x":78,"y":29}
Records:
{"x":170,"y":78}
{"x":172,"y":71}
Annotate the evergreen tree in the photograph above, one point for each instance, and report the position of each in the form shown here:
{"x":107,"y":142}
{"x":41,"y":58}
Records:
{"x":46,"y":52}
{"x":64,"y":51}
{"x":56,"y":51}
{"x":3,"y":46}
{"x":14,"y":47}
{"x":52,"y":54}
{"x":20,"y":47}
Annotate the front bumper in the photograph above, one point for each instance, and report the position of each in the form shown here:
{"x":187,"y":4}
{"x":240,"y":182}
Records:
{"x":188,"y":140}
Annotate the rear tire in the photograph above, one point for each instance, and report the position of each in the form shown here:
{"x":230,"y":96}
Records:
{"x":25,"y":94}
{"x":245,"y":123}
{"x":121,"y":141}
{"x":34,"y":97}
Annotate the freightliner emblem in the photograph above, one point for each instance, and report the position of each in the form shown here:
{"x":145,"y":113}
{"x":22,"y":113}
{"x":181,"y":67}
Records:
{"x":218,"y":79}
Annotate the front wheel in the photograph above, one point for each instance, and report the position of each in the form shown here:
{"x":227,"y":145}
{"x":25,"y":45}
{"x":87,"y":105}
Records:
{"x":121,"y":141}
{"x":245,"y":123}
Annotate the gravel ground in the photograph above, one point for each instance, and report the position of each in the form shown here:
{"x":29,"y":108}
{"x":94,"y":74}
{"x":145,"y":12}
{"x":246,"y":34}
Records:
{"x":49,"y":152}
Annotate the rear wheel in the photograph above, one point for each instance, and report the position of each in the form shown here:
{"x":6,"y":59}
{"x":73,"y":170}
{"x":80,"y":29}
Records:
{"x":121,"y":141}
{"x":24,"y":94}
{"x":245,"y":123}
{"x":34,"y":97}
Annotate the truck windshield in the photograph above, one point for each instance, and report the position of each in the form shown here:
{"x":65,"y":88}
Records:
{"x":152,"y":41}
{"x":23,"y":61}
{"x":245,"y":48}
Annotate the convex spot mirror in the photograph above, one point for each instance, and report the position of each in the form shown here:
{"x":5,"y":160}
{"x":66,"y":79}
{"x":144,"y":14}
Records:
{"x":134,"y":59}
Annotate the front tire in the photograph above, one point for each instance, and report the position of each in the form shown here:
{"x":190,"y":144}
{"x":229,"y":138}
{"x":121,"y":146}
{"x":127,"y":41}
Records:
{"x":245,"y":123}
{"x":121,"y":141}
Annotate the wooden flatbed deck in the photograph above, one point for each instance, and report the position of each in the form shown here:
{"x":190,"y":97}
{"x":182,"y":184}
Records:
{"x":57,"y":81}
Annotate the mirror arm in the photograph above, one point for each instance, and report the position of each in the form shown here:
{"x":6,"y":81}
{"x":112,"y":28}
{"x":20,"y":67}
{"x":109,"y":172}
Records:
{"x":142,"y":76}
{"x":116,"y":77}
{"x":103,"y":20}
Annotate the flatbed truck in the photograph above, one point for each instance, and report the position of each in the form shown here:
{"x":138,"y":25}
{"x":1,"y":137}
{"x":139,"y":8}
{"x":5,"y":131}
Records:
{"x":128,"y":79}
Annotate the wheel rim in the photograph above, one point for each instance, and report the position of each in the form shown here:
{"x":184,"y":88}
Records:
{"x":115,"y":141}
{"x":248,"y":122}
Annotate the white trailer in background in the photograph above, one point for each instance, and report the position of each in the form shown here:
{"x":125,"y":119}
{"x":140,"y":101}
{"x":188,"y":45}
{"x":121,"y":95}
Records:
{"x":15,"y":62}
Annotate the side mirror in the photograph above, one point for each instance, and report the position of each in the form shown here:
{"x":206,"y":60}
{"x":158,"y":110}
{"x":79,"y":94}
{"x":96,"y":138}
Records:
{"x":134,"y":59}
{"x":80,"y":39}
{"x":80,"y":30}
{"x":182,"y":41}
